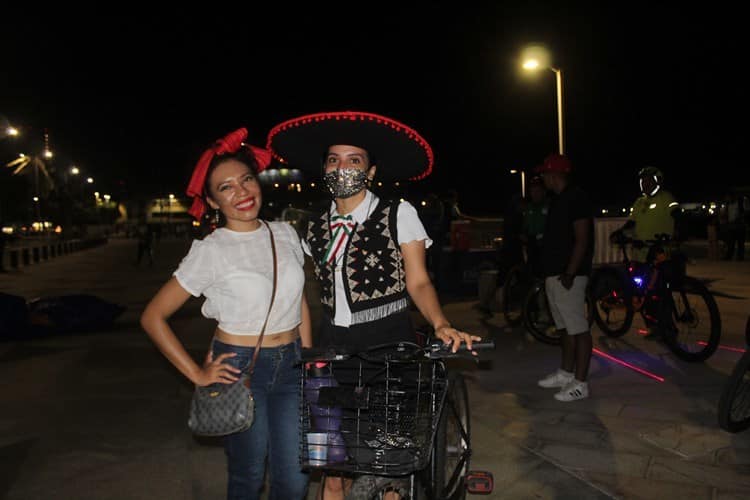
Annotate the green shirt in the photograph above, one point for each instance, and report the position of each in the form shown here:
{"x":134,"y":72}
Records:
{"x":534,"y":219}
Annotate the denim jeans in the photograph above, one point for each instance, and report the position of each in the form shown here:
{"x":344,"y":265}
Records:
{"x":275,"y":433}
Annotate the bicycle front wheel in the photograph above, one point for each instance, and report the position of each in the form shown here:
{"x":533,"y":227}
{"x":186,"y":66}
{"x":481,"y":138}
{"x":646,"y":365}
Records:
{"x":537,"y":317}
{"x":374,"y":487}
{"x":452,"y":446}
{"x":514,"y":289}
{"x":612,"y":308}
{"x":734,"y":404}
{"x":694,"y":329}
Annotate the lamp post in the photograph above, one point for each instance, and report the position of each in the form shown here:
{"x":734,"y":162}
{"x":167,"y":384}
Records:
{"x":532,"y":63}
{"x":523,"y":181}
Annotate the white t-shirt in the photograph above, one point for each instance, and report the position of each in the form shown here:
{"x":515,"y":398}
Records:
{"x":408,"y":226}
{"x":234,"y":271}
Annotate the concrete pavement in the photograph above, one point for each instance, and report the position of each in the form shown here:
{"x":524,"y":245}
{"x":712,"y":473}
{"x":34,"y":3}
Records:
{"x":102,"y":416}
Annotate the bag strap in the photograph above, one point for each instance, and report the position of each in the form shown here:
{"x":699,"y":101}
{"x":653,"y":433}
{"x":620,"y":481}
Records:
{"x":268,"y":314}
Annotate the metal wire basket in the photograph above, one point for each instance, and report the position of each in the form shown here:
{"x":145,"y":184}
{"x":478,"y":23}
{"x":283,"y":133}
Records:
{"x":379,"y":417}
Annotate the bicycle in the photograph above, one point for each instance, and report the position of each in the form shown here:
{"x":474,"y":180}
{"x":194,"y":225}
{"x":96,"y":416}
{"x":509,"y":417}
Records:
{"x":537,"y":317}
{"x":404,"y":421}
{"x":677,"y":304}
{"x":734,"y":404}
{"x":518,"y":280}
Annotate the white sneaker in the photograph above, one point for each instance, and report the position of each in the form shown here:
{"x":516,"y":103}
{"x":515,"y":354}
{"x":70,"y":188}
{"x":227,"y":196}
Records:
{"x":560,"y":378}
{"x":575,"y":390}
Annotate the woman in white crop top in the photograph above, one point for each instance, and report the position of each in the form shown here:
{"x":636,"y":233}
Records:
{"x":233,"y":269}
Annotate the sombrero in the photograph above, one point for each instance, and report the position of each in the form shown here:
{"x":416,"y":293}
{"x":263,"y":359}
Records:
{"x":400,"y":152}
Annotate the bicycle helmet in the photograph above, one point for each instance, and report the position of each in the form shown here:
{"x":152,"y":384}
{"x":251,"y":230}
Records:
{"x":652,"y":172}
{"x":650,"y":180}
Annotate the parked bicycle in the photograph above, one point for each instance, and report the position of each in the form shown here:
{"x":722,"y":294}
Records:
{"x":518,"y":281}
{"x":679,"y":306}
{"x":537,"y":317}
{"x":402,"y":421}
{"x":734,"y":404}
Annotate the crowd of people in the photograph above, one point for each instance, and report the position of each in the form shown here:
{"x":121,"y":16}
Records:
{"x":370,"y":258}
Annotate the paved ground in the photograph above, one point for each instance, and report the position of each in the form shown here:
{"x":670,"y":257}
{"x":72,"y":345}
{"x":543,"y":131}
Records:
{"x":102,"y":416}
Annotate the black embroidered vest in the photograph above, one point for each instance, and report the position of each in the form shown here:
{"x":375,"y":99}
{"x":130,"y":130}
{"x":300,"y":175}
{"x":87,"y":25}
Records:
{"x":372,"y":265}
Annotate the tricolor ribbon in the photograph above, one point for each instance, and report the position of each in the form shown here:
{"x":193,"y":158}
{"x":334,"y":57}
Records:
{"x":342,"y":227}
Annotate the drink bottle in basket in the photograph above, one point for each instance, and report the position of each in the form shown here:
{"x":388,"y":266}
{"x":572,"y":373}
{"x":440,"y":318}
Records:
{"x":325,"y":418}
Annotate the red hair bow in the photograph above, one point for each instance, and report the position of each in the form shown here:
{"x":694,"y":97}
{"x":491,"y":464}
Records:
{"x":230,"y":143}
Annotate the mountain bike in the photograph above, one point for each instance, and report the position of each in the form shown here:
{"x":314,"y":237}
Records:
{"x":403,"y":422}
{"x":679,"y":306}
{"x":518,"y":280}
{"x":537,"y":317}
{"x":734,"y":404}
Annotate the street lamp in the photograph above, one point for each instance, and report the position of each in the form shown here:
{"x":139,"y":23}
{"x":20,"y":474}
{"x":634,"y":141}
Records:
{"x":523,"y":181}
{"x":535,"y":58}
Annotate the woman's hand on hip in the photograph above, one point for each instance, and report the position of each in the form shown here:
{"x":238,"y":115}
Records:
{"x":216,"y":371}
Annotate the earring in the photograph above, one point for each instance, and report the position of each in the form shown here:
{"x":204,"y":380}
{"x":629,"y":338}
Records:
{"x":217,"y":216}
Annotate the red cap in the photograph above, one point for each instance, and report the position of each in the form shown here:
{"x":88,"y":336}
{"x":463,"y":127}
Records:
{"x":556,"y":163}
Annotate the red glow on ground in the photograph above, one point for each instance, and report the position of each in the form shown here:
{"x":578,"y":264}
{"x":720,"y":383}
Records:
{"x":725,"y":347}
{"x":628,"y":365}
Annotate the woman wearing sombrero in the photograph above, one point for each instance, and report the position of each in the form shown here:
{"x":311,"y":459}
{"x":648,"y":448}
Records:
{"x":368,"y":253}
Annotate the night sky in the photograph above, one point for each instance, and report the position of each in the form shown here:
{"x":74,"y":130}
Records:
{"x":133,"y":98}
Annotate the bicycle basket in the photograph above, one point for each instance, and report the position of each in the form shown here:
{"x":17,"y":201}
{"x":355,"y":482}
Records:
{"x":385,"y":416}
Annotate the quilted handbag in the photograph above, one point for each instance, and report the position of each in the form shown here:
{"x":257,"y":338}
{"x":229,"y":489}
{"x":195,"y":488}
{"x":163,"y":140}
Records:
{"x":221,"y":409}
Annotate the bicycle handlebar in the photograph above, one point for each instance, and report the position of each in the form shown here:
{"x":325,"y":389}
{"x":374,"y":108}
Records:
{"x":435,"y":349}
{"x":658,"y":238}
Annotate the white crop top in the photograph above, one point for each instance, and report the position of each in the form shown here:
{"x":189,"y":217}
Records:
{"x":234,"y":271}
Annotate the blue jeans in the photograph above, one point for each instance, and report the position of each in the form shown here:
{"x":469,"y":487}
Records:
{"x":275,"y":433}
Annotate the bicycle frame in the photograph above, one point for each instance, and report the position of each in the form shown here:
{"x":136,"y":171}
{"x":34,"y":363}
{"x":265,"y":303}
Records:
{"x":643,"y":281}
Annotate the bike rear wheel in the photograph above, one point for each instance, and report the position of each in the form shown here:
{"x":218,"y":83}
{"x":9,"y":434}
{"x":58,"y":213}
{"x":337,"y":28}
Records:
{"x":734,"y":404}
{"x":611,"y":300}
{"x":694,"y":328}
{"x":514,"y":290}
{"x":537,"y":317}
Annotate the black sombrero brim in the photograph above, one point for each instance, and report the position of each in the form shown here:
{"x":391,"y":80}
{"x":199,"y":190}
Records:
{"x":400,"y":152}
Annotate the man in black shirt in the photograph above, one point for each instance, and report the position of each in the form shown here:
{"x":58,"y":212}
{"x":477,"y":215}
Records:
{"x":567,"y":255}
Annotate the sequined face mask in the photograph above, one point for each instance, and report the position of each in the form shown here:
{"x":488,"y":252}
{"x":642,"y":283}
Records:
{"x":345,"y":182}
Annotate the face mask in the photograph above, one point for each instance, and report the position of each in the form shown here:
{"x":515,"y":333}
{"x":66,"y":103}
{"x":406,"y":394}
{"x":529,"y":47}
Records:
{"x":345,"y":182}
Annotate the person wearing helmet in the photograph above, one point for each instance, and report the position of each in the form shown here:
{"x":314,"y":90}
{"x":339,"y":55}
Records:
{"x":566,"y":257}
{"x":652,"y":214}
